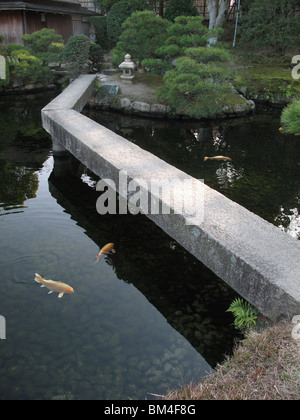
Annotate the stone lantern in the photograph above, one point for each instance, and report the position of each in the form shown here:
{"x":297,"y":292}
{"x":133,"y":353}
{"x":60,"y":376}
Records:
{"x":127,"y":66}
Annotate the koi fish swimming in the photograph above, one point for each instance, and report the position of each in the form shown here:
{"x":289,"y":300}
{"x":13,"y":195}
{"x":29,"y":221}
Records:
{"x":217,"y":158}
{"x":105,"y":251}
{"x":54,"y":286}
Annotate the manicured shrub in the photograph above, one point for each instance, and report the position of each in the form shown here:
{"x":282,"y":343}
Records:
{"x":155,"y":66}
{"x":81,"y":55}
{"x":207,"y":55}
{"x":13,"y":47}
{"x":39,"y":41}
{"x":28,"y":67}
{"x":143,"y":32}
{"x":45,"y":44}
{"x":198,"y":84}
{"x":76,"y":54}
{"x":56,"y":47}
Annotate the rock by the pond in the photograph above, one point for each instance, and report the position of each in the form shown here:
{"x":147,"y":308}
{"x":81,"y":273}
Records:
{"x":107,"y":94}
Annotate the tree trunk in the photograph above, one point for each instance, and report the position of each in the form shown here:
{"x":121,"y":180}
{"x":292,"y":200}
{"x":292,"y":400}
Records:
{"x":217,"y":13}
{"x":161,"y":8}
{"x":213,"y":11}
{"x":222,"y":14}
{"x":217,"y":16}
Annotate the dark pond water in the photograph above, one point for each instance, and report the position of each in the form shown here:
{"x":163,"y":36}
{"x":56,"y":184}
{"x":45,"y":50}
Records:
{"x":263,"y":175}
{"x":146,"y":319}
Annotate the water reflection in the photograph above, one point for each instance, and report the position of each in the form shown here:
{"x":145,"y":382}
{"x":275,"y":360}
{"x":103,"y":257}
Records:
{"x":178,"y":285}
{"x":141,"y":321}
{"x":263,"y":175}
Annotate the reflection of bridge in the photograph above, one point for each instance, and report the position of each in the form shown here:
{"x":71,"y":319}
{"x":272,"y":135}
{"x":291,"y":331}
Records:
{"x":255,"y":258}
{"x":149,"y":259}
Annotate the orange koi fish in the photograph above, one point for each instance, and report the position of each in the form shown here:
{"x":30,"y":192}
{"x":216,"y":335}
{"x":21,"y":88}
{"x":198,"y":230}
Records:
{"x":217,"y":158}
{"x":54,"y":286}
{"x":105,"y":250}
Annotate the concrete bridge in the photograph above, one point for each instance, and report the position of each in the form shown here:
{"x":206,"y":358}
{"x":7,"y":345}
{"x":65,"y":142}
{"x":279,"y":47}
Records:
{"x":254,"y":257}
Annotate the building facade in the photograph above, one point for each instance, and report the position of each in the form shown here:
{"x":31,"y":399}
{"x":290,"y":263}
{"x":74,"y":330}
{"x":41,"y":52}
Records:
{"x":66,"y":17}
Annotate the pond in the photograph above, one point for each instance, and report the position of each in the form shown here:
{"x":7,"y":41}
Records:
{"x":263,"y":174}
{"x":148,"y":318}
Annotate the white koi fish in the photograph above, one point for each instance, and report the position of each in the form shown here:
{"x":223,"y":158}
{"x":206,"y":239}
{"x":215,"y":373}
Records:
{"x":54,"y":286}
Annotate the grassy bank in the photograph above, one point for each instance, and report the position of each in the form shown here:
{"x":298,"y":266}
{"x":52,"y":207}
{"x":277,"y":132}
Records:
{"x":263,"y":76}
{"x":264,"y":366}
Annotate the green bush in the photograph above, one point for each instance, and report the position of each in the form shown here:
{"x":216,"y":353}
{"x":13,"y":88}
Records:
{"x":76,"y":54}
{"x":186,"y":32}
{"x":40,"y":41}
{"x":81,"y":55}
{"x":56,"y":47}
{"x":28,"y":67}
{"x":118,"y":13}
{"x":177,"y":8}
{"x":271,"y":23}
{"x":13,"y":47}
{"x":143,"y":33}
{"x":100,"y":25}
{"x":206,"y":55}
{"x":96,"y":55}
{"x":45,"y":44}
{"x":155,"y":66}
{"x":168,"y":51}
{"x":199,"y":85}
{"x":290,"y":118}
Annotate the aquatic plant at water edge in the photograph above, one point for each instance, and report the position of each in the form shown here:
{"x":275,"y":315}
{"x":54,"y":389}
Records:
{"x":290,"y":118}
{"x":245,"y":315}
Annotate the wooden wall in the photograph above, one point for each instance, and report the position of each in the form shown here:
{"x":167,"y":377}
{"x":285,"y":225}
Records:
{"x":62,"y":24}
{"x":11,"y":26}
